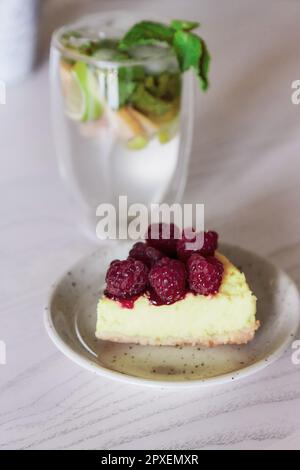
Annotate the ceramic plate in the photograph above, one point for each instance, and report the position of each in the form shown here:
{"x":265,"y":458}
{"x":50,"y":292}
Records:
{"x":70,"y":319}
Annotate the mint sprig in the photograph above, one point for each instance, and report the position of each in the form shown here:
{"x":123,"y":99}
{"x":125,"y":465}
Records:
{"x":190,"y":49}
{"x":146,"y":32}
{"x":184,"y":25}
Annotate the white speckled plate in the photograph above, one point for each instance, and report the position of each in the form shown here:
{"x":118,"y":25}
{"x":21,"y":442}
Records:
{"x":70,"y":319}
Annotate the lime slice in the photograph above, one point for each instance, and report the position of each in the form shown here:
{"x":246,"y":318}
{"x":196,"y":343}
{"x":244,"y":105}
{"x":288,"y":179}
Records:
{"x":82,"y":102}
{"x":75,"y":101}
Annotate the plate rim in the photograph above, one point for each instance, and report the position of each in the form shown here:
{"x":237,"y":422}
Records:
{"x":222,"y":379}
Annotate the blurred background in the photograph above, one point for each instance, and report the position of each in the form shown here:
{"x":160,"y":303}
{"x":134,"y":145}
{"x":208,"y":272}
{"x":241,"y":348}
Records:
{"x":245,"y":151}
{"x":245,"y":157}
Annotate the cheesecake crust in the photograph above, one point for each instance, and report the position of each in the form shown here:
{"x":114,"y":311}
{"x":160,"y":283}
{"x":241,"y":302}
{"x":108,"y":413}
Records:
{"x":242,"y":336}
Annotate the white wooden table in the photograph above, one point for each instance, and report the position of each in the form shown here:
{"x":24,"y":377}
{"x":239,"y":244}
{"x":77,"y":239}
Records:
{"x":245,"y":168}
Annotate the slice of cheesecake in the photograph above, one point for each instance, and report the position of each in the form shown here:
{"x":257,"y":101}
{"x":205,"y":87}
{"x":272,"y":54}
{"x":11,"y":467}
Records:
{"x":225,"y":317}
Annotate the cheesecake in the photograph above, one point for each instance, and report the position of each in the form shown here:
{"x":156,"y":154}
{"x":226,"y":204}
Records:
{"x":193,"y":298}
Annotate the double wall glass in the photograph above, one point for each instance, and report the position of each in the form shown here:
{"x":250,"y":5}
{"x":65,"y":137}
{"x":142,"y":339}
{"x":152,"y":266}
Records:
{"x":122,"y":121}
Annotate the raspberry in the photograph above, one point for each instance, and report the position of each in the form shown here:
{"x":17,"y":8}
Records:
{"x":213,"y":260}
{"x":210,"y":244}
{"x":167,"y":278}
{"x":163,"y":237}
{"x":114,"y":261}
{"x":204,"y":274}
{"x":147,"y":254}
{"x":126,"y":278}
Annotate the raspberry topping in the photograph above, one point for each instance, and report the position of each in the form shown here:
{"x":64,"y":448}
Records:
{"x":127,"y":278}
{"x":147,"y":254}
{"x":167,"y":278}
{"x":204,"y":274}
{"x":210,"y":244}
{"x":163,"y":237}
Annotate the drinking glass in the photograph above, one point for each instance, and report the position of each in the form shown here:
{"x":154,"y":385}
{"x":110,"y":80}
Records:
{"x":122,"y":125}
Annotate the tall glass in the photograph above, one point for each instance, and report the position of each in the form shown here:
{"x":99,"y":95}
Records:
{"x":123,"y":125}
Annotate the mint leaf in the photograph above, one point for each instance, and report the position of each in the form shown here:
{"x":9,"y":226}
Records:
{"x":204,"y":67}
{"x":128,"y":78}
{"x":146,"y":32}
{"x":190,"y":49}
{"x":125,"y":91}
{"x":184,"y":25}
